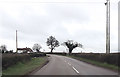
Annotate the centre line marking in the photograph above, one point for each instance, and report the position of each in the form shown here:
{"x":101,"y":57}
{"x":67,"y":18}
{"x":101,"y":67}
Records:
{"x":69,"y":64}
{"x":75,"y":69}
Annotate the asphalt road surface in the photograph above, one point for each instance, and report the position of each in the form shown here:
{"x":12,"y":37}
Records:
{"x":61,"y":65}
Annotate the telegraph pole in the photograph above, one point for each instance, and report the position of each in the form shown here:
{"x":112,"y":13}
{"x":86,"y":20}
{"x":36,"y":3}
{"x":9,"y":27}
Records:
{"x":118,"y":26}
{"x":107,"y":26}
{"x":16,"y":42}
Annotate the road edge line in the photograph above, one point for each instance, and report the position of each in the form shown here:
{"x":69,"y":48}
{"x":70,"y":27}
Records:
{"x":75,"y":69}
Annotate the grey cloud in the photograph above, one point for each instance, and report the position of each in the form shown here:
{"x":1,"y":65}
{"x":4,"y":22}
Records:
{"x":67,"y":12}
{"x":90,"y":38}
{"x":35,"y":27}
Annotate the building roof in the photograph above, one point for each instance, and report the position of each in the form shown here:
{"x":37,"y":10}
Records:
{"x":27,"y":49}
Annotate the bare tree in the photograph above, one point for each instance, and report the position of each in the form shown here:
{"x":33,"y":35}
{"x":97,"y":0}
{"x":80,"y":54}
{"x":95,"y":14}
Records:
{"x":52,"y":42}
{"x":3,"y":48}
{"x":71,"y":45}
{"x":36,"y":47}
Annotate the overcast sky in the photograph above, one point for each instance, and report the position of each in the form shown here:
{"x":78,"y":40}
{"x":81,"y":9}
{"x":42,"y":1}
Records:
{"x":83,"y":21}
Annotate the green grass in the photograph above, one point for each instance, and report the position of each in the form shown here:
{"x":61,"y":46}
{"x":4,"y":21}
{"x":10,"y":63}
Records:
{"x":23,"y":68}
{"x":105,"y":65}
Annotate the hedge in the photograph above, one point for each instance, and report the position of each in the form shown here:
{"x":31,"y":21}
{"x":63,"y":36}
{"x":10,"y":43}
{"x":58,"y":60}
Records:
{"x":11,"y":59}
{"x":57,"y":53}
{"x":112,"y":58}
{"x":41,"y":54}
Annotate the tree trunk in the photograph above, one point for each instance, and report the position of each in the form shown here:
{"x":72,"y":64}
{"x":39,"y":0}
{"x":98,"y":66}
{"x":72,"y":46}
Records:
{"x":37,"y":50}
{"x":2,"y":51}
{"x":70,"y":51}
{"x":51,"y":50}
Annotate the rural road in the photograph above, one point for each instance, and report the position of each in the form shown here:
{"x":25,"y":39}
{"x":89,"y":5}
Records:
{"x":61,"y":65}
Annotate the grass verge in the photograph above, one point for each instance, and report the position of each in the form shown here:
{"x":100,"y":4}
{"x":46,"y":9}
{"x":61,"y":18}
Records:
{"x":105,"y":65}
{"x":26,"y":67}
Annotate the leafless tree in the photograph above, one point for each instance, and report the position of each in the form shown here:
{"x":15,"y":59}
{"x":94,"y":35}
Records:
{"x":3,"y":48}
{"x":36,"y":47}
{"x":71,"y":45}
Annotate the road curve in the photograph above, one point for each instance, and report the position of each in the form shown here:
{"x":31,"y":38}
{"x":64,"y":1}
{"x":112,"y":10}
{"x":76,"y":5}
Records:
{"x":61,"y":65}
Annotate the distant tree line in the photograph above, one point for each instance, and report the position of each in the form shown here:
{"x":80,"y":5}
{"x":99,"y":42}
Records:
{"x":51,"y":42}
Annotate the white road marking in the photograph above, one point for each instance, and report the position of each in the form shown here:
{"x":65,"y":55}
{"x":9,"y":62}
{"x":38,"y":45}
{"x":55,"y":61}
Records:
{"x":75,"y":69}
{"x":69,"y":64}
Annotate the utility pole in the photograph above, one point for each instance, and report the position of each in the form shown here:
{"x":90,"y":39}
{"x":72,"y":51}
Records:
{"x":16,"y":42}
{"x":118,"y":26}
{"x":107,"y":26}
